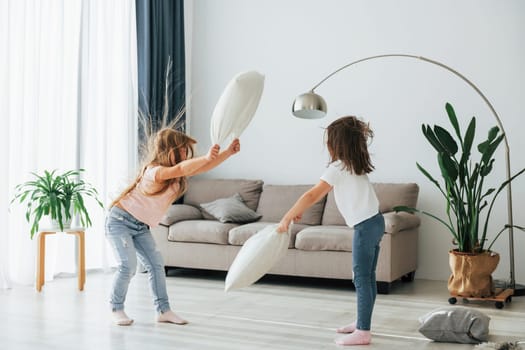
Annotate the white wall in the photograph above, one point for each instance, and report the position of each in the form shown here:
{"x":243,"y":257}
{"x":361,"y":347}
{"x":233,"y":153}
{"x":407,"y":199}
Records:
{"x":296,"y":43}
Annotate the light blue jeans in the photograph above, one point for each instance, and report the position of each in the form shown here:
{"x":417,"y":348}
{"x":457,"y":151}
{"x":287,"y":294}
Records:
{"x":365,"y":251}
{"x":130,"y":238}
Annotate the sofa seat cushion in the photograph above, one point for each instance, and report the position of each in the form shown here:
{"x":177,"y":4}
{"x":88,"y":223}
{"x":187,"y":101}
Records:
{"x":329,"y":237}
{"x":276,"y":200}
{"x":240,"y":234}
{"x":201,"y":231}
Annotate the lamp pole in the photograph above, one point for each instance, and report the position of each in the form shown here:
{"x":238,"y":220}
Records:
{"x":315,"y":102}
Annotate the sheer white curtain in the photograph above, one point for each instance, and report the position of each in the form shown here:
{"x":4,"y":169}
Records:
{"x":68,"y":70}
{"x":108,"y":132}
{"x":4,"y":133}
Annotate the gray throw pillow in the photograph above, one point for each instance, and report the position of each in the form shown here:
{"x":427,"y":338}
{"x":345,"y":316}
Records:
{"x":180,"y":212}
{"x":455,"y":325}
{"x":231,"y":209}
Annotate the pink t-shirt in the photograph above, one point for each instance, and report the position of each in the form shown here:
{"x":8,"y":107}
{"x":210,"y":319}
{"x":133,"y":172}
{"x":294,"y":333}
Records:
{"x":146,"y":208}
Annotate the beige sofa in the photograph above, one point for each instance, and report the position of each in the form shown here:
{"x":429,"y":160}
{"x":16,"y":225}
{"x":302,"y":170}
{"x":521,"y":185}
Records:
{"x":320,"y":244}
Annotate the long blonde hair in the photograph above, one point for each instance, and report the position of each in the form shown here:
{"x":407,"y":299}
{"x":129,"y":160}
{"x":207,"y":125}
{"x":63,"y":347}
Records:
{"x":164,"y":149}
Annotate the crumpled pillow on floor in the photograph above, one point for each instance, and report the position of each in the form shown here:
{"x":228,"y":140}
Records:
{"x":455,"y":325}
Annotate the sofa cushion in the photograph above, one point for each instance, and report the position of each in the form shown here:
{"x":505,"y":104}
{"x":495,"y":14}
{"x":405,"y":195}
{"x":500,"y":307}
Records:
{"x":331,"y":214}
{"x":231,"y":209}
{"x":388,"y":194}
{"x":393,"y":194}
{"x":338,"y":238}
{"x":202,"y":231}
{"x":207,"y":190}
{"x":180,"y":212}
{"x":240,"y":234}
{"x":276,"y":200}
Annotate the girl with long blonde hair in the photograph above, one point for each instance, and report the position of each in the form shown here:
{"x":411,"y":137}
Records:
{"x":168,"y":162}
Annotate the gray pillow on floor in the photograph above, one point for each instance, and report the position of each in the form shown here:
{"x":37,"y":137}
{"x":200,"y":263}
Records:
{"x":455,"y":325}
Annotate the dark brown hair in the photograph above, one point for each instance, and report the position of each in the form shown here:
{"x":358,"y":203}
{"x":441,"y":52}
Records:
{"x":346,"y":139}
{"x":160,"y":148}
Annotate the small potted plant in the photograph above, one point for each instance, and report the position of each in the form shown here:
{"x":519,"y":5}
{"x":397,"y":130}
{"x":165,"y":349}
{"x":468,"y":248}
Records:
{"x":59,"y":196}
{"x":466,"y":196}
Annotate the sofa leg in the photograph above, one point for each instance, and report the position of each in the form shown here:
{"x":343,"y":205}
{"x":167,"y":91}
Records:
{"x":409,"y":277}
{"x":383,"y":287}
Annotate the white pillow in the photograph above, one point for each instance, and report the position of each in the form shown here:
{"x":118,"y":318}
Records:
{"x":256,"y":257}
{"x":236,"y":106}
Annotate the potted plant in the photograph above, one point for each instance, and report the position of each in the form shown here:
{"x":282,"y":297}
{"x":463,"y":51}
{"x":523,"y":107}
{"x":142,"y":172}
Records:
{"x":464,"y":189}
{"x":59,"y":196}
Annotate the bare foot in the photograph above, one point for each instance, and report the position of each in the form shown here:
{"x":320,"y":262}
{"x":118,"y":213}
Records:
{"x":358,"y":337}
{"x":170,"y":317}
{"x":120,"y":318}
{"x":346,"y":329}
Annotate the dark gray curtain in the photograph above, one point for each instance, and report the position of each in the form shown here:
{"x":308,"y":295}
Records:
{"x":161,"y":64}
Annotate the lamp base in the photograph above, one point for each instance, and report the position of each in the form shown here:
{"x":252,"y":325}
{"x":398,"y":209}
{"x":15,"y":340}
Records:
{"x":519,"y":289}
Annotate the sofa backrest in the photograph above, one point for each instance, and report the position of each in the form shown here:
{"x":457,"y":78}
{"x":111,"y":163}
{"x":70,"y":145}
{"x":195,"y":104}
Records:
{"x":394,"y":194}
{"x":276,"y":200}
{"x":206,"y":190}
{"x":388,"y":194}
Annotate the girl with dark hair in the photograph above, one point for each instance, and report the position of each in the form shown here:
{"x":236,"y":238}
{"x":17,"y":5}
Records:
{"x":347,"y":143}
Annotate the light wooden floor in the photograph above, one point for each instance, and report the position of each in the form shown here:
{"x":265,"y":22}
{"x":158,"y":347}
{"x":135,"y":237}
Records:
{"x":272,"y":314}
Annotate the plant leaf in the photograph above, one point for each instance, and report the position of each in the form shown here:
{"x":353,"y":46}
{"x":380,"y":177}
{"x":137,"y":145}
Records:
{"x":453,"y":119}
{"x":449,"y":169}
{"x":431,"y":137}
{"x":445,"y":139}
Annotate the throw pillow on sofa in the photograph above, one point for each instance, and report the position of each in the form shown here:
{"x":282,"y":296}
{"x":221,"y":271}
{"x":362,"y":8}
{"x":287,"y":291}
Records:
{"x":180,"y":212}
{"x":231,"y":209}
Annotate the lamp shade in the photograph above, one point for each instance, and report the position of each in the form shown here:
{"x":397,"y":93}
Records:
{"x":309,"y":106}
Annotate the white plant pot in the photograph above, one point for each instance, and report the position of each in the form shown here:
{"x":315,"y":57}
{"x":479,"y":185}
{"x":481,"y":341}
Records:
{"x":54,"y":224}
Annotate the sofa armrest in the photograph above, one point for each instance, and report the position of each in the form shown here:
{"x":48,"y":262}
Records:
{"x":180,"y":212}
{"x":396,"y":222}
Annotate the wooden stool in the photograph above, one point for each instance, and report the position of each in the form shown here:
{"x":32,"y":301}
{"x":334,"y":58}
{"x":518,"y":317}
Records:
{"x":41,"y":255}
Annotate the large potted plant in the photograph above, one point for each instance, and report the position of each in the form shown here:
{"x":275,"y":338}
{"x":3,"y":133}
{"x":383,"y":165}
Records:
{"x":464,"y":189}
{"x":58,"y":196}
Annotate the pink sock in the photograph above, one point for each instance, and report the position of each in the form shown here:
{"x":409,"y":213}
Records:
{"x":358,"y":337}
{"x":346,"y":329}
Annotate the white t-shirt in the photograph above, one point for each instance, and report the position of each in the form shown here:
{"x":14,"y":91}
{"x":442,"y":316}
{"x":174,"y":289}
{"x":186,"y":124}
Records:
{"x":354,"y":194}
{"x":145,"y":208}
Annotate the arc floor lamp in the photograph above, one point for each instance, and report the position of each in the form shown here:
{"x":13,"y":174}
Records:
{"x":312,"y":106}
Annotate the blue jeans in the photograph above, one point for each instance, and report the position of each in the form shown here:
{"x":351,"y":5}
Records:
{"x":130,"y":238}
{"x":365,"y":251}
